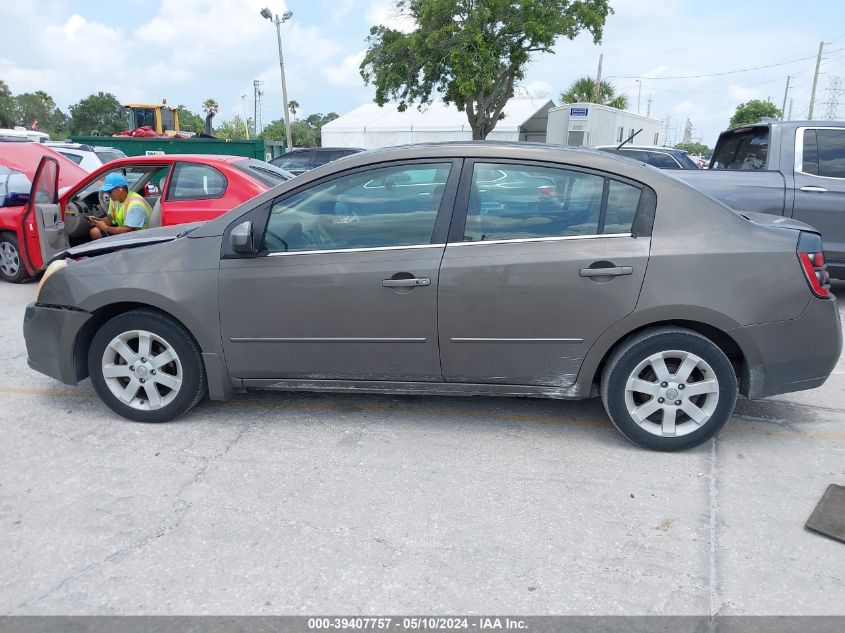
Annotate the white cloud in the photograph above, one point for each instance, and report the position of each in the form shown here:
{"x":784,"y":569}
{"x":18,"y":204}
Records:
{"x":385,"y":12}
{"x":346,"y":73}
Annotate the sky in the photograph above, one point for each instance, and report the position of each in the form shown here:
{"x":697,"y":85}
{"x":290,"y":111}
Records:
{"x":189,"y":50}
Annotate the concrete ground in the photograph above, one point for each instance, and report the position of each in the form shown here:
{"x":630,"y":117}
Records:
{"x":302,"y":504}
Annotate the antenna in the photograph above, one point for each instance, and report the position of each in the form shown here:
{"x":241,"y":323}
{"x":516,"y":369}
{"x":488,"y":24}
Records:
{"x":257,"y":127}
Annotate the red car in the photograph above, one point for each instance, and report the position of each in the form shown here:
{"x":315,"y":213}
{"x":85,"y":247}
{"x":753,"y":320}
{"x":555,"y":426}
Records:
{"x":179,"y":188}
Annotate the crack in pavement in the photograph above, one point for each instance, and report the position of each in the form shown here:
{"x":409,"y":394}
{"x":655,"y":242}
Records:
{"x":181,"y":507}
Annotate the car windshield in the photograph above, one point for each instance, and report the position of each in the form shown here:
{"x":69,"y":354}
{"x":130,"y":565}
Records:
{"x":109,"y":155}
{"x":264,"y":173}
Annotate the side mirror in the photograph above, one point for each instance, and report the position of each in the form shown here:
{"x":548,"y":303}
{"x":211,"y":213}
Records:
{"x":240,"y":238}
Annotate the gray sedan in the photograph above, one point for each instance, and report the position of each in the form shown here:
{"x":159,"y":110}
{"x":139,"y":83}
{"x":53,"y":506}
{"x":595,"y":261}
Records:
{"x":464,"y":269}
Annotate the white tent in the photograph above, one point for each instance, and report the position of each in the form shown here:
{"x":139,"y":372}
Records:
{"x":370,"y":126}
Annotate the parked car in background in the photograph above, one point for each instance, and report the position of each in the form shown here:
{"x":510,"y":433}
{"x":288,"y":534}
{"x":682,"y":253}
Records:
{"x":298,"y":161}
{"x":87,"y":156}
{"x":794,"y":169}
{"x":465,"y":269}
{"x":179,"y":188}
{"x":21,"y":132}
{"x":661,"y":157}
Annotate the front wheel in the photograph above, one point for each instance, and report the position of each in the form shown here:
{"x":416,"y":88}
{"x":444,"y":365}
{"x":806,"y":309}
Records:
{"x":669,"y":389}
{"x":11,"y":266}
{"x":146,"y":367}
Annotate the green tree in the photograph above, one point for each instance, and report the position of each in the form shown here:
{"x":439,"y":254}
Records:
{"x":696,"y":149}
{"x":583,"y":91}
{"x":8,"y":117}
{"x":752,"y":111}
{"x":302,"y":134}
{"x":471,"y":52}
{"x":235,"y":129}
{"x":32,"y":107}
{"x":317,"y":121}
{"x":293,"y":106}
{"x":99,"y":113}
{"x":190,"y":121}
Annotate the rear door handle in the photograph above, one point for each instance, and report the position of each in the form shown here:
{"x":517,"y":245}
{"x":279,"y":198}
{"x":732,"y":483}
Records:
{"x":813,"y":189}
{"x":404,"y":283}
{"x":614,"y":271}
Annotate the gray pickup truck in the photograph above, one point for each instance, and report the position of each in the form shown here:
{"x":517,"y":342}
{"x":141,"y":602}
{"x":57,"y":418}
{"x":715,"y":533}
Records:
{"x":790,"y":168}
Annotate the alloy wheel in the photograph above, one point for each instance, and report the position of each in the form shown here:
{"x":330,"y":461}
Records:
{"x":672,"y":393}
{"x":142,"y":370}
{"x":10,"y":261}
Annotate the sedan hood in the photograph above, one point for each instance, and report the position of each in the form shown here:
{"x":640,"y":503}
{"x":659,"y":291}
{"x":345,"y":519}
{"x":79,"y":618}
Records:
{"x":766,"y":219}
{"x":129,"y":240}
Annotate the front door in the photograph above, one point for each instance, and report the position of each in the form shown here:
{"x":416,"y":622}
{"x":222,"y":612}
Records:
{"x":546,"y":260}
{"x":43,"y":225}
{"x":345,"y":285}
{"x":820,"y":187}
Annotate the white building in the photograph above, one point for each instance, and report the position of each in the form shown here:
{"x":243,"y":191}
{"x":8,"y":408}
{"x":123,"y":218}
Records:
{"x":591,"y":124}
{"x":370,"y":126}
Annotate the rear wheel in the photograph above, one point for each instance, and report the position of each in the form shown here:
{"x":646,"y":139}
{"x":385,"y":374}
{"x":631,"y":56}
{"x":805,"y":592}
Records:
{"x":669,"y":389}
{"x":146,"y":367}
{"x":11,"y":266}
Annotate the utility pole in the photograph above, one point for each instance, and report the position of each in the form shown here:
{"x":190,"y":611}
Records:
{"x":597,"y":87}
{"x":648,"y":107}
{"x":815,"y":81}
{"x":789,"y":118}
{"x":834,"y":91}
{"x":246,"y":119}
{"x":785,"y":93}
{"x":639,"y":94}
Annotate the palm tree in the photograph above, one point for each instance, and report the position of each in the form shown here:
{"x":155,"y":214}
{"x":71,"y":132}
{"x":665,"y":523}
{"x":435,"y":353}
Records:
{"x":210,"y":108}
{"x":293,"y":106}
{"x":583,"y":90}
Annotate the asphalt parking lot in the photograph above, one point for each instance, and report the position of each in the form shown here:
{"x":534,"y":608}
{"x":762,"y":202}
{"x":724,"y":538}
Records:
{"x":300,"y":503}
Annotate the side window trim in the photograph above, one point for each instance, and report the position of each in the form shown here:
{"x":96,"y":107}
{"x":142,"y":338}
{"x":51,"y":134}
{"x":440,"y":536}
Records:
{"x":174,"y":180}
{"x":442,"y":220}
{"x":459,"y":217}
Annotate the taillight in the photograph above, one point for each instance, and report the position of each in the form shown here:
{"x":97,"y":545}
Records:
{"x":811,"y":256}
{"x":547,"y":191}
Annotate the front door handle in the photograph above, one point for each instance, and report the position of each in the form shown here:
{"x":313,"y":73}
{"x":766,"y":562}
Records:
{"x":405,"y":283}
{"x":613,"y":271}
{"x":813,"y":189}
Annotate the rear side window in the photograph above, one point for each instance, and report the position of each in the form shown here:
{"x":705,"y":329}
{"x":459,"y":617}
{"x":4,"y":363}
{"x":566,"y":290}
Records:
{"x":663,"y":161}
{"x":831,"y":153}
{"x":193,"y":181}
{"x":509,"y":202}
{"x":743,"y":150}
{"x":294,"y":160}
{"x":76,"y":158}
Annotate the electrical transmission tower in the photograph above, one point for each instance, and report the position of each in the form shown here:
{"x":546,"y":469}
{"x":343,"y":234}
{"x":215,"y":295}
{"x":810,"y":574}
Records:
{"x":834,"y":91}
{"x":257,"y":127}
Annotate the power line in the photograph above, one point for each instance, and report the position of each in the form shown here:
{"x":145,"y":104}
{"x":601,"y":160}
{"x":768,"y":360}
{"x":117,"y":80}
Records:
{"x":721,"y":74}
{"x":696,"y":92}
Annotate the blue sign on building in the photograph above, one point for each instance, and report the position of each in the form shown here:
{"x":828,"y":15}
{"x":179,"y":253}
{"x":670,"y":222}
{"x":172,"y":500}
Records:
{"x":578,"y":111}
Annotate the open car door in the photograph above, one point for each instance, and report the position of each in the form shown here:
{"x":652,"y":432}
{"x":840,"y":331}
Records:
{"x":43,"y":225}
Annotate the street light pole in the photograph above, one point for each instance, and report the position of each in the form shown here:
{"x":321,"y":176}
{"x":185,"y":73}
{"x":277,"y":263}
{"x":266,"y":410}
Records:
{"x":287,"y":15}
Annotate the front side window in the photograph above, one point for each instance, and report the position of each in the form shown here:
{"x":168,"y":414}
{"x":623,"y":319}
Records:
{"x":384,"y":207}
{"x":509,"y":202}
{"x":294,"y":160}
{"x":193,"y":181}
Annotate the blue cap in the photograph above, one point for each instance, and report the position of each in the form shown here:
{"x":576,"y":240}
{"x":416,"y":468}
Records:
{"x":114,"y":180}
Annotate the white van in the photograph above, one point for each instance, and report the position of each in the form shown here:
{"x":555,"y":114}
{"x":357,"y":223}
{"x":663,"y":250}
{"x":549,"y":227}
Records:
{"x":22,"y":132}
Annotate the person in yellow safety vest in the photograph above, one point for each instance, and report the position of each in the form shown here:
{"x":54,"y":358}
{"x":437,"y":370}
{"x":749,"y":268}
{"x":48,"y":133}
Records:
{"x":128,"y":211}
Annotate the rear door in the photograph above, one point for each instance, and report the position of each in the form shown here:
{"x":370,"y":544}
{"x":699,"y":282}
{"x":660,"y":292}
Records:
{"x":43,"y":225}
{"x":531,"y":278}
{"x":820,"y":186}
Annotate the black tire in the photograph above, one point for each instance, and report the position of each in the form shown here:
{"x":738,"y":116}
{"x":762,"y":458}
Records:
{"x":637,"y":349}
{"x":193,"y":386}
{"x":9,"y":244}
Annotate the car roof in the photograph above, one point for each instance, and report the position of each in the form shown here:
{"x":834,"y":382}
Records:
{"x":169,"y":158}
{"x":649,"y":148}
